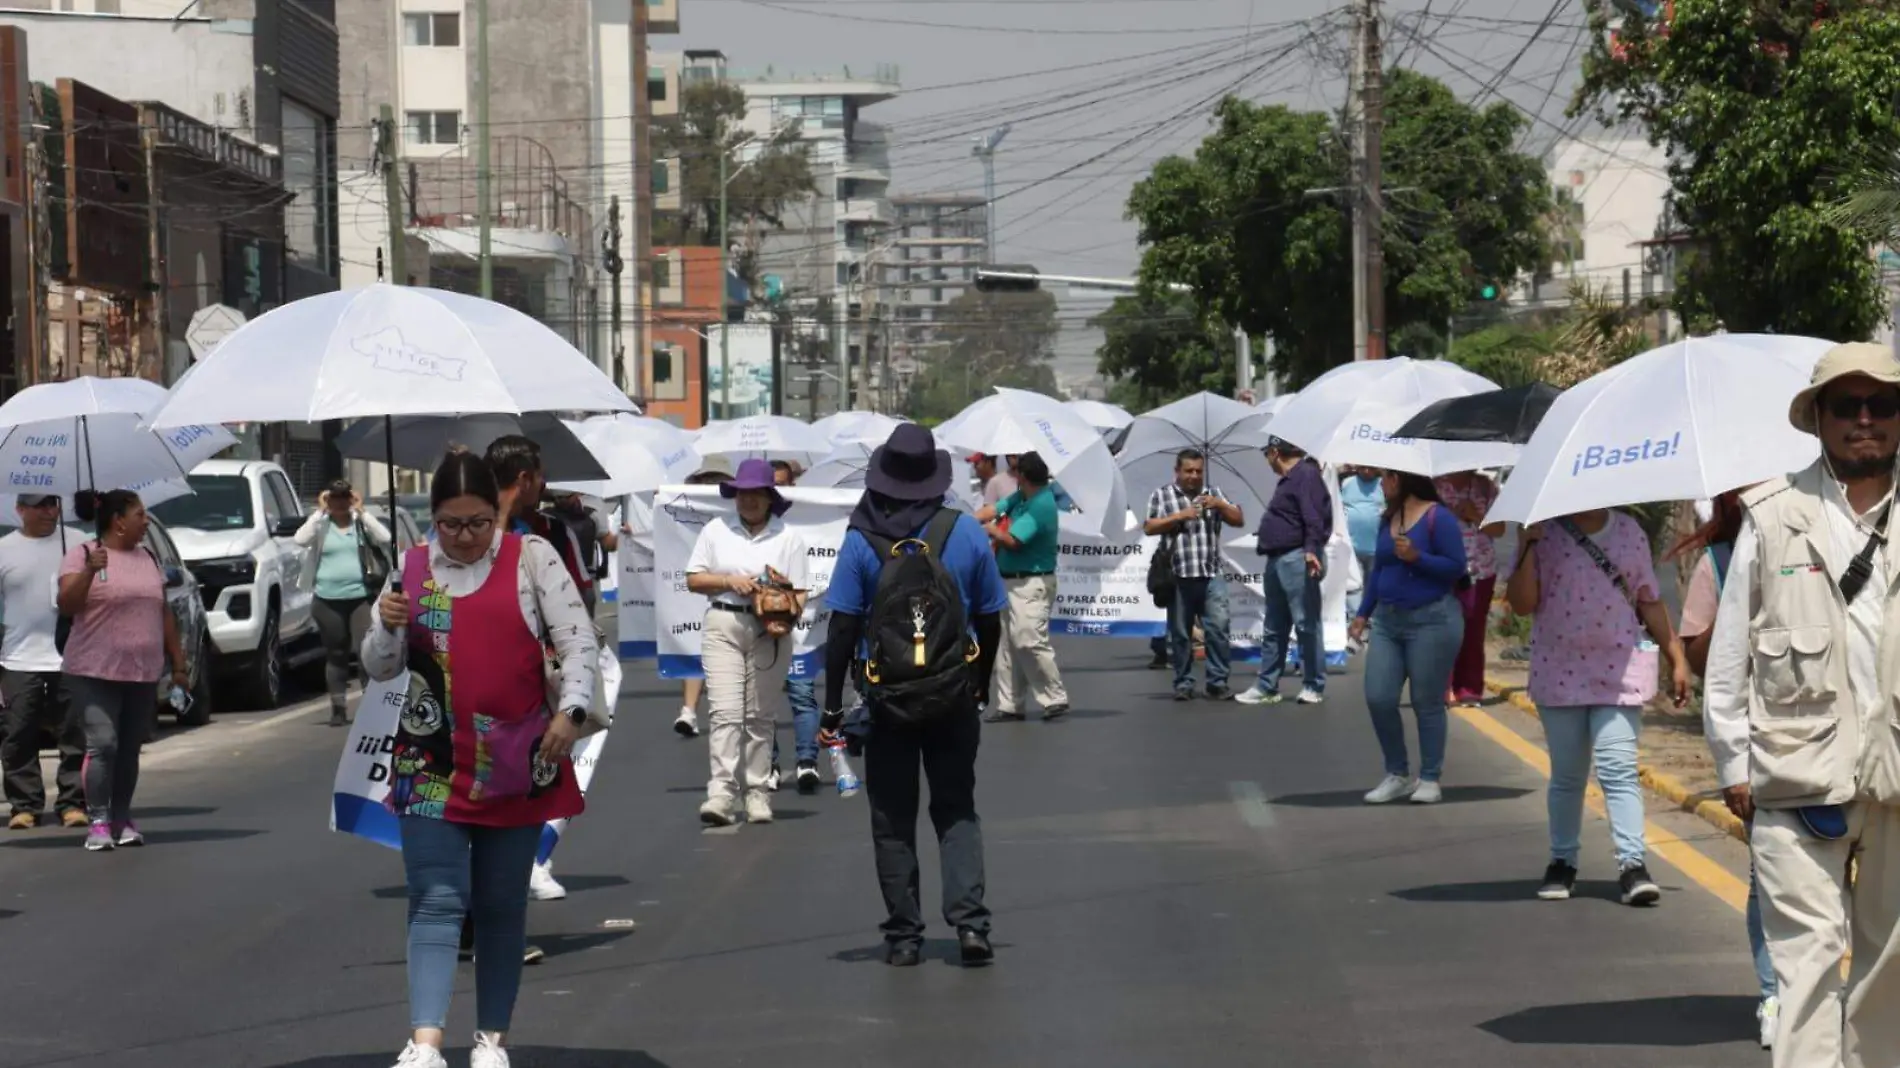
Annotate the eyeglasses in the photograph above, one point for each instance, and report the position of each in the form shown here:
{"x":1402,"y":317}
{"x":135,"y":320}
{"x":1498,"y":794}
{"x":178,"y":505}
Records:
{"x":477,"y":526}
{"x":1882,"y":405}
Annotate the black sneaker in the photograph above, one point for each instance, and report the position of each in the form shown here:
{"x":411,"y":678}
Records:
{"x":1559,"y":880}
{"x":1159,"y":662}
{"x":808,"y":780}
{"x":1184,"y":695}
{"x":1638,"y":887}
{"x":1219,"y":693}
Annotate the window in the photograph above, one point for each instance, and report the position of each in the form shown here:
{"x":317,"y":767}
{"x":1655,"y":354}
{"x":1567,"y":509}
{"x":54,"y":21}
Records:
{"x":662,"y":273}
{"x":432,"y":29}
{"x":434,"y":127}
{"x":656,"y":88}
{"x":310,"y":176}
{"x":279,"y":488}
{"x":669,"y":372}
{"x":662,"y":176}
{"x":216,"y":502}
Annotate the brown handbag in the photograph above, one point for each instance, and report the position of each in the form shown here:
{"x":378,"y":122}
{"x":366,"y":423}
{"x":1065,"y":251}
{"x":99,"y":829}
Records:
{"x":775,"y":604}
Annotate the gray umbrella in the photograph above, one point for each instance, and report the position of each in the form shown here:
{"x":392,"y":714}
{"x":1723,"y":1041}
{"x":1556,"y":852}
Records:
{"x":419,"y":442}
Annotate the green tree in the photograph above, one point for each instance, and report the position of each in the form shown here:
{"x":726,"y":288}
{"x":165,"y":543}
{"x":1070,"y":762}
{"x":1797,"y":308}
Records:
{"x":1765,"y":110}
{"x":989,"y":339}
{"x":1257,"y":224}
{"x":707,"y":126}
{"x":1158,"y":349}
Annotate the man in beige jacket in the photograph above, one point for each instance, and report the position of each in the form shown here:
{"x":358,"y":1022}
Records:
{"x":1803,"y":674}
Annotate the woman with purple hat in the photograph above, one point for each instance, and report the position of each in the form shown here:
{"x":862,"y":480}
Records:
{"x":745,"y":665}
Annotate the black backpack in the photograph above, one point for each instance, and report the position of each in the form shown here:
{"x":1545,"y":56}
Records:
{"x":921,"y":653}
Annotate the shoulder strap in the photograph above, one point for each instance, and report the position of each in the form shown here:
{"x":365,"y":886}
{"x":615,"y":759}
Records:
{"x":1595,"y":553}
{"x":1720,"y":553}
{"x":937,"y":531}
{"x":1861,"y":567}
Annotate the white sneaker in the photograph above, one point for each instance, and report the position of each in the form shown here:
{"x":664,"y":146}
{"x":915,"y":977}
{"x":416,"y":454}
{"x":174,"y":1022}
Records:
{"x":1254,"y":695}
{"x":1311,"y":697}
{"x":1427,"y":793}
{"x":1391,"y":788}
{"x":774,"y":779}
{"x":487,"y":1052}
{"x":414,"y":1056}
{"x":687,"y":725}
{"x":718,"y":812}
{"x":542,"y":885}
{"x":1769,"y":1015}
{"x":758,"y":808}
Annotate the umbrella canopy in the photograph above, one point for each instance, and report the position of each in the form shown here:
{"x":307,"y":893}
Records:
{"x":845,"y":428}
{"x":845,"y":467}
{"x":87,"y":433}
{"x":1686,"y":421}
{"x":640,"y":455}
{"x":1275,"y":405}
{"x":1312,"y":419}
{"x":768,"y":437}
{"x":388,"y":350}
{"x":419,"y":442}
{"x":1227,"y":433}
{"x":1366,"y":439}
{"x":1500,"y":415}
{"x":1101,"y":415}
{"x":1014,"y":421}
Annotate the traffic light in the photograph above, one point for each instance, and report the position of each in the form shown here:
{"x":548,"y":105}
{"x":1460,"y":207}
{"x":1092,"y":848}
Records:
{"x":1008,"y":279}
{"x":1488,"y":291}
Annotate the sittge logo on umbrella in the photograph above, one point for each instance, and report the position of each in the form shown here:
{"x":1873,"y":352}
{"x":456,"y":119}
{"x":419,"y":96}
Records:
{"x":389,"y":352}
{"x":1594,"y":456}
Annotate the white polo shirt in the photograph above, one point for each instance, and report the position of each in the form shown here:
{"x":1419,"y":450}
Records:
{"x":726,"y":547}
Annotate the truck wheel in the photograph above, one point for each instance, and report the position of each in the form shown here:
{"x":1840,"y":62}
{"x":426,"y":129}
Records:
{"x":264,"y":679}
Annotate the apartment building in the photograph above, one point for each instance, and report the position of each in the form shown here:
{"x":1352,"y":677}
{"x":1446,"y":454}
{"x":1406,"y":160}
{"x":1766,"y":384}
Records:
{"x":561,"y":126}
{"x":1610,"y":191}
{"x":937,"y":244}
{"x":832,"y":244}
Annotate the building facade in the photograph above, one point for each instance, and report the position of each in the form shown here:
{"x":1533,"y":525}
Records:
{"x":1610,"y":192}
{"x":938,"y":243}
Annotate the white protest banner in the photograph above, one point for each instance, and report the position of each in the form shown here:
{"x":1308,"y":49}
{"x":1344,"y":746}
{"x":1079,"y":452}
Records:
{"x":1102,"y":589}
{"x":362,"y":774}
{"x":634,"y":609}
{"x":681,"y":512}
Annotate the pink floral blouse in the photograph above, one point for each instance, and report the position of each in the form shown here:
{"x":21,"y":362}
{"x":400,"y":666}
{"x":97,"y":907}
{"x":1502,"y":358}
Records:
{"x":1480,"y":555}
{"x":1586,"y":640}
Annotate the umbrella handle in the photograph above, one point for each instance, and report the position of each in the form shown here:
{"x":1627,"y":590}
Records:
{"x":389,"y":461}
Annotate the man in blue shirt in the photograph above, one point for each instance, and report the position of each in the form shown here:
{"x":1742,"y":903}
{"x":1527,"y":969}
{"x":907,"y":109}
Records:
{"x":904,"y":487}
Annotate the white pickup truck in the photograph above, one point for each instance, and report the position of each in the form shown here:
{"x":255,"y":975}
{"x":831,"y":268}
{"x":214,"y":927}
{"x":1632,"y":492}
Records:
{"x":235,"y":532}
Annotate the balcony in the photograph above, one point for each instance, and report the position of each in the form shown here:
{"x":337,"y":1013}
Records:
{"x":663,"y":16}
{"x":864,"y":210}
{"x":534,"y":216}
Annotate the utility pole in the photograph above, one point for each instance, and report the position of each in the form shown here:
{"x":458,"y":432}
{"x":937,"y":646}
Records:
{"x":610,"y":261}
{"x":985,"y":150}
{"x":725,"y":300}
{"x":642,"y":208}
{"x":841,"y":348}
{"x":485,"y":220}
{"x":1364,"y":114}
{"x":392,"y":194}
{"x":1243,"y":361}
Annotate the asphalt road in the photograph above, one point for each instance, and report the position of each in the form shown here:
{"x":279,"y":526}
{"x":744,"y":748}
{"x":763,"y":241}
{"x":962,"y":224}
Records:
{"x":1174,"y":884}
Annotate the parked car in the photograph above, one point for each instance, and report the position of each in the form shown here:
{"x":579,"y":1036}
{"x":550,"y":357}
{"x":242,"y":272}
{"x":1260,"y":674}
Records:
{"x":236,"y":533}
{"x":184,"y":598}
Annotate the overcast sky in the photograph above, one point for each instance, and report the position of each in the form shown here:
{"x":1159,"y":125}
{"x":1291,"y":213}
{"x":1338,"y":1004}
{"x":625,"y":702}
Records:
{"x":1099,"y":90}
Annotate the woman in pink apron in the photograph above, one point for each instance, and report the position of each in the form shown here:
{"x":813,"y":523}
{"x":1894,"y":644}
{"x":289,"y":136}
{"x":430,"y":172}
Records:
{"x":481,"y":754}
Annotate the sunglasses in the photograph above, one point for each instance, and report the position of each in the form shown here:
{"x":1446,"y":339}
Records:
{"x":1882,"y":405}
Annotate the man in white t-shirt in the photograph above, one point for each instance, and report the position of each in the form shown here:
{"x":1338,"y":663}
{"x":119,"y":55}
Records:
{"x":34,"y":689}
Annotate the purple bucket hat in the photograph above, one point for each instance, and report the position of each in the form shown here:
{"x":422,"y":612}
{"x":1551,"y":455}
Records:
{"x":755,"y":475}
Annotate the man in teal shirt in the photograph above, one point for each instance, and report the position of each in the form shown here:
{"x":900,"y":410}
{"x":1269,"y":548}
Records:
{"x":1025,"y":534}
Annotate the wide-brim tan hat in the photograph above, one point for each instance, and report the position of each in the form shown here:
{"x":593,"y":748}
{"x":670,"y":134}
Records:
{"x":1862,"y":358}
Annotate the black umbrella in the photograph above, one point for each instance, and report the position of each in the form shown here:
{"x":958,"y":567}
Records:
{"x":419,"y":442}
{"x":1498,"y":415}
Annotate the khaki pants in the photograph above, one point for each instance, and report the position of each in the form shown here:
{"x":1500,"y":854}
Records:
{"x":1026,"y":662}
{"x":1807,"y":907}
{"x":745,"y":686}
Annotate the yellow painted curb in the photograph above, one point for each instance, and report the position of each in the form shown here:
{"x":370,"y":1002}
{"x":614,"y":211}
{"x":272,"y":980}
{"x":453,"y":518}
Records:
{"x":1664,"y":785}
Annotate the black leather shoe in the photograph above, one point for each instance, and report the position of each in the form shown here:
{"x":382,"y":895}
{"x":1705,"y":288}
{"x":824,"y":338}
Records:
{"x":975,"y":947}
{"x":898,"y":956}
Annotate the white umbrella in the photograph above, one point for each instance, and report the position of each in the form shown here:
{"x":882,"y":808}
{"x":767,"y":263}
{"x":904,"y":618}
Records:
{"x":1366,"y":439}
{"x":1014,"y":421}
{"x":1687,"y":421}
{"x":845,"y":468}
{"x":1101,"y":415}
{"x":1314,"y":416}
{"x":845,"y":428}
{"x":768,"y":437}
{"x":1242,"y":476}
{"x":1275,"y":405}
{"x":388,"y":350}
{"x":1228,"y":433}
{"x":640,"y":454}
{"x":62,"y":437}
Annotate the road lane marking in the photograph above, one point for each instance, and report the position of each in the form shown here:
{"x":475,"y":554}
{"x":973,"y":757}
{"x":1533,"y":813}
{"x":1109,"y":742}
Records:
{"x":1704,"y":872}
{"x":1252,"y":803}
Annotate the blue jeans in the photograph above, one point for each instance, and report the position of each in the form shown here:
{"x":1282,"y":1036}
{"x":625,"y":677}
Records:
{"x":1293,"y":609}
{"x":1757,"y":941}
{"x":1574,"y":734}
{"x":457,"y":868}
{"x":1206,"y":599}
{"x":1416,"y":646}
{"x":803,"y":694}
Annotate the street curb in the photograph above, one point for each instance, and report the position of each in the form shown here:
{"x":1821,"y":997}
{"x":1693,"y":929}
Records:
{"x":1662,"y":784}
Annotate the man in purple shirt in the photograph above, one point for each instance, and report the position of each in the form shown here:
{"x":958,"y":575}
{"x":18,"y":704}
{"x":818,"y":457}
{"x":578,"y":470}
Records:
{"x":1292,"y":536}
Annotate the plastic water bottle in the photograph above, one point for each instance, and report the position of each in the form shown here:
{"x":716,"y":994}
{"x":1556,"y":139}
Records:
{"x":841,"y":771}
{"x":178,"y":698}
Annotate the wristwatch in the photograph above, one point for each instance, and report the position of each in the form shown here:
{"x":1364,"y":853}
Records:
{"x":576,"y":716}
{"x":831,"y":720}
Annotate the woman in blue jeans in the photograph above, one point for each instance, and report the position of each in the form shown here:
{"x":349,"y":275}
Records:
{"x":1411,"y":607}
